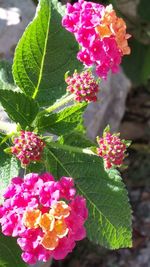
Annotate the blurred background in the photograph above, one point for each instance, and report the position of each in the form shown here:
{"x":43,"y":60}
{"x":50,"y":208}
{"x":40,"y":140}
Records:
{"x":124,"y":103}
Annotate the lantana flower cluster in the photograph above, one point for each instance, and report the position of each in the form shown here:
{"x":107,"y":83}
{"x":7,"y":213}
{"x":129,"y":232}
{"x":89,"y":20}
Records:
{"x":83,"y":85}
{"x":100,"y":33}
{"x":112,"y":149}
{"x":46,"y":216}
{"x":27,"y":147}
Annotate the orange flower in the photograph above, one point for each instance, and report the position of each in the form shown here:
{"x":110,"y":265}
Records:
{"x":60,"y":228}
{"x":50,"y":240}
{"x":111,"y":25}
{"x":47,"y":222}
{"x":60,"y":210}
{"x":31,"y":218}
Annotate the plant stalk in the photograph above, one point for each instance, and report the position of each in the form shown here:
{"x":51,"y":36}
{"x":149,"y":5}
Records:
{"x":72,"y":148}
{"x":57,"y":104}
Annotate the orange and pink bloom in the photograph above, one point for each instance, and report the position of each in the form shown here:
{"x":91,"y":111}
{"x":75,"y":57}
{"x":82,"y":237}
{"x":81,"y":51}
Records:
{"x":100,"y":33}
{"x":45,"y":215}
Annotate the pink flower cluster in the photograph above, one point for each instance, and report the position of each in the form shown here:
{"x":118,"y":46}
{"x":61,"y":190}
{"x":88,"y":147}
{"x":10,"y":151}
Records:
{"x":27,"y":147}
{"x":112,"y":149}
{"x":46,"y":216}
{"x":100,"y":34}
{"x":83,"y":86}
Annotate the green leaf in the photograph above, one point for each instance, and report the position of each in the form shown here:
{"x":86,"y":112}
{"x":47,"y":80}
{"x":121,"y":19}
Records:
{"x":137,"y":65}
{"x":64,"y":121}
{"x":144,"y":10}
{"x":6,"y":72}
{"x":50,"y":162}
{"x":76,"y":139}
{"x":2,"y":136}
{"x":109,"y":222}
{"x":145,"y":72}
{"x":20,"y":108}
{"x":10,"y":253}
{"x":6,"y":78}
{"x":45,"y":52}
{"x":107,"y":129}
{"x":9,"y":168}
{"x":37,"y":167}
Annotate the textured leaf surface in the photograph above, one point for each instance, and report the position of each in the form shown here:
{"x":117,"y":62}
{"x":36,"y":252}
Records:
{"x":64,"y":121}
{"x":9,"y":168}
{"x":19,"y":107}
{"x":37,"y":167}
{"x":76,"y":139}
{"x":6,"y":78}
{"x":10,"y":253}
{"x":109,"y":222}
{"x":45,"y":52}
{"x":6,"y":72}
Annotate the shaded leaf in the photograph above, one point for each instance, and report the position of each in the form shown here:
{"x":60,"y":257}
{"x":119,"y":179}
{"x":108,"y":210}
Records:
{"x":6,"y":78}
{"x":10,"y":253}
{"x":137,"y":65}
{"x":144,"y":10}
{"x":19,"y":107}
{"x":37,"y":167}
{"x":62,"y":122}
{"x":9,"y":168}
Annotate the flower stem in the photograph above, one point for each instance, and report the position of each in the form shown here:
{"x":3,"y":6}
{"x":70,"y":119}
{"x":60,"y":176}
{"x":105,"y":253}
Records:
{"x":57,"y":104}
{"x":60,"y":103}
{"x":72,"y":148}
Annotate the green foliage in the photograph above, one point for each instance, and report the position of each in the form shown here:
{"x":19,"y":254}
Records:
{"x":45,"y":52}
{"x":50,"y":162}
{"x":137,"y":65}
{"x":9,"y":168}
{"x":10,"y":253}
{"x":6,"y":78}
{"x":109,"y":222}
{"x":5,"y":72}
{"x":62,"y":122}
{"x":20,"y":108}
{"x":2,"y":135}
{"x":144,"y":10}
{"x":36,"y":168}
{"x":76,"y":139}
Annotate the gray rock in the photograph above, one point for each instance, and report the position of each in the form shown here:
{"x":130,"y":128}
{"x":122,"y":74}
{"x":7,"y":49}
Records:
{"x":110,"y":107}
{"x":128,"y":8}
{"x":40,"y":264}
{"x":14,"y":17}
